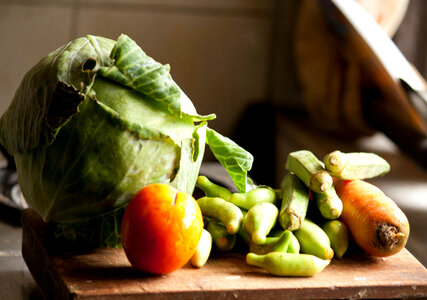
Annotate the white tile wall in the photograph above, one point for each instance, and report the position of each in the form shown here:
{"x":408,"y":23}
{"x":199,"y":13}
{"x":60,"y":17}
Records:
{"x":27,"y":33}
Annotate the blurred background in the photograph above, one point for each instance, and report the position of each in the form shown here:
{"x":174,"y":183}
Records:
{"x":227,"y":55}
{"x":271,"y":70}
{"x":224,"y":54}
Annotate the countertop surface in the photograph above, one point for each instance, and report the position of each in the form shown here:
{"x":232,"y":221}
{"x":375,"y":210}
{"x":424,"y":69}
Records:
{"x":107,"y":274}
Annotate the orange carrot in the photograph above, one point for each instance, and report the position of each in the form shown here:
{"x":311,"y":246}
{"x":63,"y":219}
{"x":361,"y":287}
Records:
{"x":375,"y":222}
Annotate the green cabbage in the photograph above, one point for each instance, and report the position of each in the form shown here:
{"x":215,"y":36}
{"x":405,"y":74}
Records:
{"x":95,"y":121}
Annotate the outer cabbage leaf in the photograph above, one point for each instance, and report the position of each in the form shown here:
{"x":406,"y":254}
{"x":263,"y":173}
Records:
{"x":97,"y":163}
{"x":136,"y":70}
{"x":236,"y":160}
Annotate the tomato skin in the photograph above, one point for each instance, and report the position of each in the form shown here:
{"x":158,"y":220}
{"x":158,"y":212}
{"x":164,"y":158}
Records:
{"x":160,"y":229}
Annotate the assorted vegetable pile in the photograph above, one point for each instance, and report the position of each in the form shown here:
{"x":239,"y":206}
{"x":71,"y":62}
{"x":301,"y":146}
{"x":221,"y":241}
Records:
{"x":95,"y":121}
{"x":106,"y":143}
{"x":320,"y":207}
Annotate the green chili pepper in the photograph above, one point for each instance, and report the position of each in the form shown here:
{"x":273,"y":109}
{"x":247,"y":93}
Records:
{"x":273,"y":244}
{"x":338,"y":235}
{"x":259,"y":220}
{"x":313,"y":240}
{"x":293,"y":246}
{"x":288,"y":264}
{"x":243,"y":233}
{"x":203,"y":250}
{"x":257,"y":195}
{"x":222,"y":240}
{"x":211,"y":189}
{"x":225,"y":212}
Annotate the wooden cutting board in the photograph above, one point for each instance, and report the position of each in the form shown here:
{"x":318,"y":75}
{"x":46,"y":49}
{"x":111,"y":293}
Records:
{"x":106,"y":274}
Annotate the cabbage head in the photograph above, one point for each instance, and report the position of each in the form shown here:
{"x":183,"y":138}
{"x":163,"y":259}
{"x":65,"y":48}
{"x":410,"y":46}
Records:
{"x":95,"y":121}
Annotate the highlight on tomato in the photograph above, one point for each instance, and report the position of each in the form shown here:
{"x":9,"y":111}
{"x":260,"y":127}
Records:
{"x":160,"y":229}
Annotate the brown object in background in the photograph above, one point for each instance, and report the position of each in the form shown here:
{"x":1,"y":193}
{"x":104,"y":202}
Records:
{"x":330,"y":73}
{"x":393,"y":95}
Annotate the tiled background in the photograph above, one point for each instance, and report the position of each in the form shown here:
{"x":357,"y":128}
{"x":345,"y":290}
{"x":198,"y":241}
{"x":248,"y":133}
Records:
{"x":224,"y":54}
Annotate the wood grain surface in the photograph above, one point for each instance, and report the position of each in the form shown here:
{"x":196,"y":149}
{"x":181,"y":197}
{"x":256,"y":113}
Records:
{"x":106,"y":274}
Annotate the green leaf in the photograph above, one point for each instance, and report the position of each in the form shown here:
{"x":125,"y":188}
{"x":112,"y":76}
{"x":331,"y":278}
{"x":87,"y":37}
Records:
{"x":236,"y":160}
{"x":136,"y":70}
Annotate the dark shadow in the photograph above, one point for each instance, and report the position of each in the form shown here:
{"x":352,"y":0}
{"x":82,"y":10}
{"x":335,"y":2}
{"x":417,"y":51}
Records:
{"x":256,"y":133}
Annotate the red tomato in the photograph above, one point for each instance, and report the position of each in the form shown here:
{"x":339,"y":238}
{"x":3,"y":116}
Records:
{"x":160,"y":229}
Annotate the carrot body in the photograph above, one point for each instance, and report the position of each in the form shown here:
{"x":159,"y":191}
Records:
{"x":375,"y":222}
